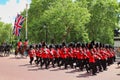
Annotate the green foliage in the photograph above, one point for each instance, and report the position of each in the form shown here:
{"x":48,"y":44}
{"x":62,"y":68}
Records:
{"x":64,"y":20}
{"x":5,"y":32}
{"x":103,"y":20}
{"x":72,"y":20}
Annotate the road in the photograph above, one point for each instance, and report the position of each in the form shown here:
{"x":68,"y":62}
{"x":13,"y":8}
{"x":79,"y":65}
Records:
{"x":12,"y":68}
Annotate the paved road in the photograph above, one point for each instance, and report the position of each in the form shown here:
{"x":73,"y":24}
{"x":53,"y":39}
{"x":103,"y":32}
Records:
{"x":12,"y":68}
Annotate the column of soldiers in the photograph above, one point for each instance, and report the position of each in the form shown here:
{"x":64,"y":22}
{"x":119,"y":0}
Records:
{"x":91,"y":57}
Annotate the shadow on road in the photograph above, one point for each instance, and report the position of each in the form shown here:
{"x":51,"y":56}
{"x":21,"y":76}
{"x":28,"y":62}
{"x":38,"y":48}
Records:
{"x":28,"y":66}
{"x":85,"y":75}
{"x":17,"y":58}
{"x":73,"y":71}
{"x":118,"y":74}
{"x":36,"y":69}
{"x":58,"y":69}
{"x":1,"y":56}
{"x":117,"y":67}
{"x":24,"y":65}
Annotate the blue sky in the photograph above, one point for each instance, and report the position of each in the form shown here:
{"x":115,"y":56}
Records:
{"x":3,"y":2}
{"x":10,"y":8}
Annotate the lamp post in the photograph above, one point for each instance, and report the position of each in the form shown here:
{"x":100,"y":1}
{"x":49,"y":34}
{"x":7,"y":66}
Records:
{"x":45,"y":33}
{"x":119,"y":20}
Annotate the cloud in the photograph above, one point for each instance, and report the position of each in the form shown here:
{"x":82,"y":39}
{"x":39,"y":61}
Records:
{"x":9,"y":11}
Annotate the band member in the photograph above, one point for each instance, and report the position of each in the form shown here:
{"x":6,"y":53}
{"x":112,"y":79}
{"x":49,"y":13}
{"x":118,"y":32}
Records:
{"x":44,"y":55}
{"x":37,"y":53}
{"x":19,"y":44}
{"x":31,"y":53}
{"x":104,"y":58}
{"x":92,"y":62}
{"x":26,"y":47}
{"x":25,"y":44}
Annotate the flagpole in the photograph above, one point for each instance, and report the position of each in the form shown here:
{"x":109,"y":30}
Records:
{"x":26,"y":35}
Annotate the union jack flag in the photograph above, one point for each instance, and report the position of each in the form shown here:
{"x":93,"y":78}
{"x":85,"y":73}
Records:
{"x":18,"y":24}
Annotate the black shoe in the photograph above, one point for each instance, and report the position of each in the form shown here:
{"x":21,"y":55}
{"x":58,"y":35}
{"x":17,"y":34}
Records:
{"x":88,"y":71}
{"x":94,"y":74}
{"x":53,"y":66}
{"x":30,"y":63}
{"x":46,"y":67}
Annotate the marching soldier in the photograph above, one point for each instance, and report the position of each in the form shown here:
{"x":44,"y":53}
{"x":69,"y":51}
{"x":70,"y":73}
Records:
{"x":44,"y":55}
{"x":26,"y":47}
{"x":31,"y":53}
{"x":37,"y":53}
{"x":25,"y":44}
{"x":92,"y":62}
{"x":19,"y":44}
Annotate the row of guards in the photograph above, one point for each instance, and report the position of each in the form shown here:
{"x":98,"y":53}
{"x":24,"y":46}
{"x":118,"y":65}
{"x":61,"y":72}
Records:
{"x":92,"y":57}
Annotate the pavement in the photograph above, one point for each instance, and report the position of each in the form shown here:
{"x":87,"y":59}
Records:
{"x":12,"y":68}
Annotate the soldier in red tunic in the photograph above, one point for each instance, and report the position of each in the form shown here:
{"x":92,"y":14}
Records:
{"x":26,"y":47}
{"x":92,"y":61}
{"x":37,"y":53}
{"x":25,"y":43}
{"x":19,"y":44}
{"x":31,"y":53}
{"x":44,"y":56}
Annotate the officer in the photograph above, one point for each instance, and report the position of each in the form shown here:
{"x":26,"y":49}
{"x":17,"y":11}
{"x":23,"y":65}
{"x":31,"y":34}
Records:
{"x":19,"y":44}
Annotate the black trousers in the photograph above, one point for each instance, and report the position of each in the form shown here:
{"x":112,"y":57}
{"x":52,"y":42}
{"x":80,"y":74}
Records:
{"x":37,"y":58}
{"x":46,"y":62}
{"x":79,"y":63}
{"x":98,"y":65}
{"x":64,"y":62}
{"x":31,"y":59}
{"x":57,"y":61}
{"x":52,"y":60}
{"x":70,"y":61}
{"x":104,"y":66}
{"x":93,"y":68}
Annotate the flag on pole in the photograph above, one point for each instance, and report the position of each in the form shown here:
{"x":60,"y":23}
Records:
{"x":18,"y":24}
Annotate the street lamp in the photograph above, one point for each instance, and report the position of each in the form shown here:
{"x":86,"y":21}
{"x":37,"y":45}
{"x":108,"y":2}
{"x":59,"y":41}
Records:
{"x":45,"y":33}
{"x":119,"y":20}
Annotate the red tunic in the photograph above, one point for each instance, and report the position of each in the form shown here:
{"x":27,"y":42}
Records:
{"x":37,"y":53}
{"x":43,"y":53}
{"x":88,"y":53}
{"x":25,"y":43}
{"x":31,"y":53}
{"x":60,"y":52}
{"x":49,"y":54}
{"x":102,"y":52}
{"x":79,"y":55}
{"x":66,"y":53}
{"x":19,"y":44}
{"x":92,"y":59}
{"x":55,"y":54}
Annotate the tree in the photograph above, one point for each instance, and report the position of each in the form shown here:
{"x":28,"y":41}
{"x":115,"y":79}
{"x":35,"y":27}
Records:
{"x":5,"y":32}
{"x":62,"y":19}
{"x":72,"y":20}
{"x":103,"y":20}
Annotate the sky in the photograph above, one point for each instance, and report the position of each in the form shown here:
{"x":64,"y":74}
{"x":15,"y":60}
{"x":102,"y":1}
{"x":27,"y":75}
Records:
{"x":10,"y":8}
